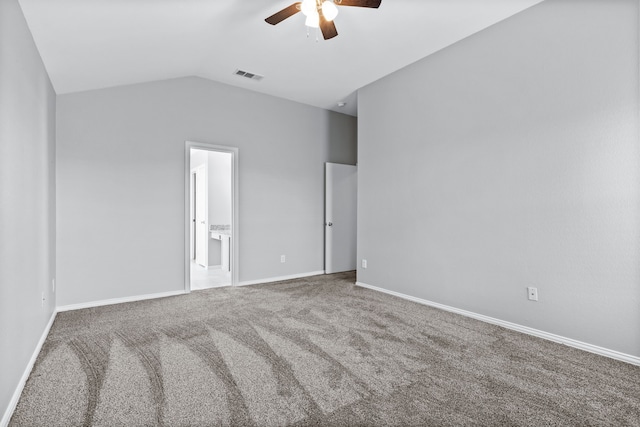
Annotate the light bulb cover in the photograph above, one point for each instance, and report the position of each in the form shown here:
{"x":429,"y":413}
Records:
{"x":313,"y":20}
{"x":329,"y":10}
{"x":308,"y":7}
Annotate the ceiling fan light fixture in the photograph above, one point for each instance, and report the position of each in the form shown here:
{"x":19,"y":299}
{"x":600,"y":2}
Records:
{"x":308,"y":7}
{"x":313,"y":20}
{"x":329,"y":10}
{"x":312,"y":9}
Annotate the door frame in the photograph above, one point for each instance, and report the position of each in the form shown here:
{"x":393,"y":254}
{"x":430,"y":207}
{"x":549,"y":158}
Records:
{"x":235,"y":211}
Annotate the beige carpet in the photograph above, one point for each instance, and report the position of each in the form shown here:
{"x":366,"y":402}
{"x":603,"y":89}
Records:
{"x":312,"y":352}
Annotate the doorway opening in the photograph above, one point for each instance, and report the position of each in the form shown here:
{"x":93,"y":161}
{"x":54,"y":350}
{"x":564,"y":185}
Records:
{"x":211,"y":232}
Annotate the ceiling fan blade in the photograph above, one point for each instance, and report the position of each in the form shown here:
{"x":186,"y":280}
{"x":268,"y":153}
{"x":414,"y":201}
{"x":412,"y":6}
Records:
{"x":284,"y":14}
{"x":360,"y":3}
{"x":328,"y":28}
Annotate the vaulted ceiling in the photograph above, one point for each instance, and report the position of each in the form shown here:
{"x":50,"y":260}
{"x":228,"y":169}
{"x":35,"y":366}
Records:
{"x":92,"y":44}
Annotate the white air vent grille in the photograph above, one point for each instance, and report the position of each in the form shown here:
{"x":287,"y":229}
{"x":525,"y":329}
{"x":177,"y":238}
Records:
{"x":248,"y":75}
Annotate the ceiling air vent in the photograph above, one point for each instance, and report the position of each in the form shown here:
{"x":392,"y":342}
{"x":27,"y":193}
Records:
{"x":252,"y":76}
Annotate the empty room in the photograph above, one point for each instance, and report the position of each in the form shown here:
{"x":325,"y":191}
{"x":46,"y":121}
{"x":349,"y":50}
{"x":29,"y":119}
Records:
{"x":319,"y":213}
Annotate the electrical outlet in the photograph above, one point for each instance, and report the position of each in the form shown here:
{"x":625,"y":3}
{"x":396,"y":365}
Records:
{"x":283,"y":258}
{"x":364,"y":263}
{"x":532,"y":293}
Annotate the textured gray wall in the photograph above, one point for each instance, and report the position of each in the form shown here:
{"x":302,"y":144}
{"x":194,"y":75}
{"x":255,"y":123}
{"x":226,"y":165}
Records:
{"x":120,"y":157}
{"x":27,"y":198}
{"x":511,"y":159}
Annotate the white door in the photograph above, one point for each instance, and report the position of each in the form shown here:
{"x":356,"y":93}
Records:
{"x":341,"y":184}
{"x":201,"y":233}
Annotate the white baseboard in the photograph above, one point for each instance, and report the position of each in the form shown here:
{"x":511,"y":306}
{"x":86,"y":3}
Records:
{"x":514,"y":326}
{"x":280,"y":278}
{"x":16,"y":394}
{"x":119,"y":300}
{"x":174,"y":293}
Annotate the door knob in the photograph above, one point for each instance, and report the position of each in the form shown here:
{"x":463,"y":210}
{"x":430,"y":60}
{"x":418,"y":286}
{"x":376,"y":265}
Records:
{"x":329,"y":224}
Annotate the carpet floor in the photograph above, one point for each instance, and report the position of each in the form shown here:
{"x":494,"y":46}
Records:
{"x":312,"y":352}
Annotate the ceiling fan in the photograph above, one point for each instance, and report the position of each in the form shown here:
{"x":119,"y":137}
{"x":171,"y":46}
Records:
{"x":320,"y":13}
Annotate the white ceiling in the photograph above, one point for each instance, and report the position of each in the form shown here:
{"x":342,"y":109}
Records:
{"x":91,"y":44}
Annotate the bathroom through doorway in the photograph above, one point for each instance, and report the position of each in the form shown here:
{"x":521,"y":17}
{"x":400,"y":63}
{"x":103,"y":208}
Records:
{"x":211,"y":218}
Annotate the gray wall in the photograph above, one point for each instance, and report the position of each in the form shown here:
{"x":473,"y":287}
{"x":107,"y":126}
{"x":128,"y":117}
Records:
{"x":511,"y":159}
{"x":27,"y":198}
{"x":120,"y":172}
